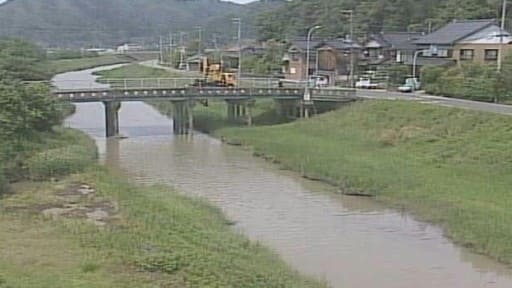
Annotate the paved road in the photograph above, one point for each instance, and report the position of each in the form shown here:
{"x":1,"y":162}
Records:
{"x":389,"y":95}
{"x":437,"y":100}
{"x":154,"y":64}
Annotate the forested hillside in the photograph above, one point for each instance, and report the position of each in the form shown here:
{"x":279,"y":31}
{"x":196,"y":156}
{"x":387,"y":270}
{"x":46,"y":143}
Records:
{"x":100,"y":22}
{"x":370,"y":15}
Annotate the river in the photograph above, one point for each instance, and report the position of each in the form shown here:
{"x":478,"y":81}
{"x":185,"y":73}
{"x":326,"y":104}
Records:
{"x":346,"y":241}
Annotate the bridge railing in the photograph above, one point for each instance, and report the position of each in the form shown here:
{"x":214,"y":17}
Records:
{"x":150,"y":83}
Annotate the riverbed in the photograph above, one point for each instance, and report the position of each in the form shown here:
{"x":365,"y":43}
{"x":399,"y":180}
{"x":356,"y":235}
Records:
{"x":346,"y":241}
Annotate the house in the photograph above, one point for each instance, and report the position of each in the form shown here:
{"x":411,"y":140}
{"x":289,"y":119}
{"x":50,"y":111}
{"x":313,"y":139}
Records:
{"x":388,"y":48}
{"x":194,"y":62}
{"x":129,"y":47}
{"x":476,"y":41}
{"x":248,"y":48}
{"x":328,"y":58}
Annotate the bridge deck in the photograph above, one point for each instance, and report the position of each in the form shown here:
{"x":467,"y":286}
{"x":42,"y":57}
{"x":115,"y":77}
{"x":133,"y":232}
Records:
{"x":166,"y":89}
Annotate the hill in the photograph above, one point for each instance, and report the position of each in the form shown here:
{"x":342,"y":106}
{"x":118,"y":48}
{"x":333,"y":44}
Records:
{"x":100,"y":22}
{"x":296,"y":16}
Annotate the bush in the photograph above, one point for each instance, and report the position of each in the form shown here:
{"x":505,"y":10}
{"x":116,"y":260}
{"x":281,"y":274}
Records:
{"x":60,"y":161}
{"x":430,"y":78}
{"x":3,"y":181}
{"x":397,"y":74}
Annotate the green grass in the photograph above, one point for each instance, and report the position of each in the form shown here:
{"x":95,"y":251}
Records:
{"x":67,"y":65}
{"x":136,"y":71}
{"x":158,"y":239}
{"x":45,"y":155}
{"x":449,"y":166}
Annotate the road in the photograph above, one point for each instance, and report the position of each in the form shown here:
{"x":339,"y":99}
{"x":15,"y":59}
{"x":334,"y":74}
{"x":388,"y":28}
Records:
{"x":437,"y":100}
{"x":155,"y":64}
{"x":390,"y":95}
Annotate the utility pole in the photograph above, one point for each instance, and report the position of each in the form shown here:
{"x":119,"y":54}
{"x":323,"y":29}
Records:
{"x":200,"y":39}
{"x":216,"y":47}
{"x":171,"y":49}
{"x":352,"y":60}
{"x":239,"y":22}
{"x":161,"y":57}
{"x":503,"y":15}
{"x":182,"y":51}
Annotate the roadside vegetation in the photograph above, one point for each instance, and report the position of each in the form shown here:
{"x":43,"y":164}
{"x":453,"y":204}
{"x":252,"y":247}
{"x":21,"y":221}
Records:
{"x":28,"y":113}
{"x":470,"y":81}
{"x":449,"y":166}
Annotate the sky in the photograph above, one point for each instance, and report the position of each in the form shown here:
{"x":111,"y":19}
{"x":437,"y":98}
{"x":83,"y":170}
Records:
{"x":241,"y":1}
{"x":236,"y":1}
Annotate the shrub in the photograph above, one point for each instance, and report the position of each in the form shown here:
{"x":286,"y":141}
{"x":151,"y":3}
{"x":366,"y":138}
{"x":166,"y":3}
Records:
{"x":3,"y":182}
{"x":60,"y":161}
{"x":431,"y":77}
{"x":397,"y":74}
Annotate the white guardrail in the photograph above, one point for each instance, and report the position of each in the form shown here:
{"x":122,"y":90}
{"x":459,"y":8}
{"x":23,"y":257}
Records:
{"x":156,"y":83}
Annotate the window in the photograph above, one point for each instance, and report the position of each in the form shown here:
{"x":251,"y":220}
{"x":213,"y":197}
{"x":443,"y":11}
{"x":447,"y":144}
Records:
{"x":467,"y":54}
{"x":491,"y":54}
{"x":293,"y":70}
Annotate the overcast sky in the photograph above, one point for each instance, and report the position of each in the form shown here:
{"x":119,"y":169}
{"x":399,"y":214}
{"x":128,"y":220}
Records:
{"x":237,"y":1}
{"x":241,"y":1}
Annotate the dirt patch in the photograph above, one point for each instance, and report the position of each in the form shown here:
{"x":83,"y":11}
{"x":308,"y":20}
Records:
{"x":80,"y":201}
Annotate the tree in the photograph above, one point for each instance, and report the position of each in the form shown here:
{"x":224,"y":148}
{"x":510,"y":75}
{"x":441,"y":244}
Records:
{"x":22,"y":60}
{"x":26,"y":109}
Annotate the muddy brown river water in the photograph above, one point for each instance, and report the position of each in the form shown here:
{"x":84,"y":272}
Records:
{"x":346,"y":241}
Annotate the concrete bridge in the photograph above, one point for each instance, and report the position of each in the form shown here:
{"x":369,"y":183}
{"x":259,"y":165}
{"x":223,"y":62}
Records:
{"x":293,"y":101}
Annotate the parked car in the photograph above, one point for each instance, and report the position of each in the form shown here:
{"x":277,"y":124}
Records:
{"x":366,"y":83}
{"x":319,"y":81}
{"x":410,"y":85}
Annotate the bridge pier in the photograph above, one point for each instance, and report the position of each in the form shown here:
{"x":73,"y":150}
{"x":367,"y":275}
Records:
{"x":183,"y":117}
{"x":112,"y":118}
{"x":289,"y":109}
{"x":240,"y":110}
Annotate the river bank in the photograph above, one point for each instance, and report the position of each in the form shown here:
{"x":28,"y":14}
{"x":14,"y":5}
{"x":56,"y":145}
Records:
{"x":67,"y":65}
{"x":449,"y":166}
{"x":318,"y":232}
{"x":76,"y":224}
{"x":95,"y":229}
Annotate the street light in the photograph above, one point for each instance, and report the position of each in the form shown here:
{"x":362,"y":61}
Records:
{"x":239,"y":74}
{"x":308,"y":43}
{"x":351,"y":14}
{"x":503,"y":15}
{"x":414,"y":59}
{"x":182,"y":64}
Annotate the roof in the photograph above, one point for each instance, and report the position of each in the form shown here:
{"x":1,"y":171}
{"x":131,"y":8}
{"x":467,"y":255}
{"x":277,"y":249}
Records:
{"x":302,"y":44}
{"x":398,"y":40}
{"x":315,"y":44}
{"x":455,"y":31}
{"x":424,"y":61}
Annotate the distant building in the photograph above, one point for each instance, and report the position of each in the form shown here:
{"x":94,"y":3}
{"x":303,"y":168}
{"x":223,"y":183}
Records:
{"x":129,"y":47}
{"x":100,"y":51}
{"x":387,"y":48}
{"x":328,"y":58}
{"x":476,"y":41}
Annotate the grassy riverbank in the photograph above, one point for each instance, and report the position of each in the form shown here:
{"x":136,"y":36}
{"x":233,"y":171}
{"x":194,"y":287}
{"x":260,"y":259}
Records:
{"x":136,"y":71}
{"x":96,"y":230}
{"x":67,"y":65}
{"x":66,"y":222}
{"x":449,"y":166}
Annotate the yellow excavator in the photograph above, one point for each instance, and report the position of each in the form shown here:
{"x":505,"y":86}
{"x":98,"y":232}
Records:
{"x":215,"y":75}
